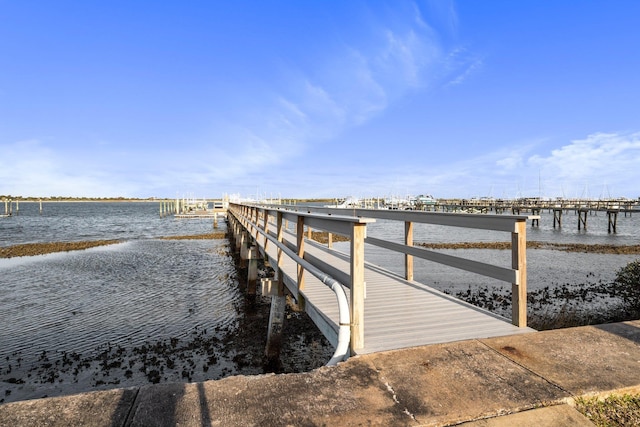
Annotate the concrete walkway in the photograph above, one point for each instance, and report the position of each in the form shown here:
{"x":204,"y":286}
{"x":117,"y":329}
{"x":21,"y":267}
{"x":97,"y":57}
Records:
{"x":518,"y":380}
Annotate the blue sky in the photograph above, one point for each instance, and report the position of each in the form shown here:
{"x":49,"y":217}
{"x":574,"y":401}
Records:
{"x":320,"y":98}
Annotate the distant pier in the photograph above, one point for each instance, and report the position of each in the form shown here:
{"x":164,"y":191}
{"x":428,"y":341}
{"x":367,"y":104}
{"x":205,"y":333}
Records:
{"x":533,"y":206}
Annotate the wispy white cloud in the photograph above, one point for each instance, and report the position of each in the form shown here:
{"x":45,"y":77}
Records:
{"x":600,"y":159}
{"x":600,"y":165}
{"x":31,"y":168}
{"x":346,"y":86}
{"x":604,"y":163}
{"x":462,"y":64}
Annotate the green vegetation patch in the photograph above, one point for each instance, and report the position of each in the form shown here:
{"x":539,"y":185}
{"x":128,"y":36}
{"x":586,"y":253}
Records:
{"x":615,"y":410}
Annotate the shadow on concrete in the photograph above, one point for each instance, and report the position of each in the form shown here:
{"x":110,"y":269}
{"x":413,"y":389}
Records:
{"x":158,"y":405}
{"x":205,"y":416}
{"x":628,"y":330}
{"x":124,"y":407}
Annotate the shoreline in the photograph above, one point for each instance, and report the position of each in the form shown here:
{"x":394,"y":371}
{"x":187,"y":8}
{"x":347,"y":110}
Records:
{"x":197,"y":355}
{"x":32,"y":249}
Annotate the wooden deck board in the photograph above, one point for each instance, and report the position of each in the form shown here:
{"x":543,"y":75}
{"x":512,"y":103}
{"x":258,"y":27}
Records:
{"x":398,"y":313}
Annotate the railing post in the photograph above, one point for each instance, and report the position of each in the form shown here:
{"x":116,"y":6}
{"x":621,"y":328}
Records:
{"x":408,"y":259}
{"x":300,"y":247}
{"x":256,"y":222}
{"x":519,"y":263}
{"x":265,"y":227}
{"x":358,"y":234}
{"x":279,"y":236}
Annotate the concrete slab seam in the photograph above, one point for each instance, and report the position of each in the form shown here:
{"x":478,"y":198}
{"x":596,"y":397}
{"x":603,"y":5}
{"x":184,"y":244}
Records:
{"x":526,"y":368}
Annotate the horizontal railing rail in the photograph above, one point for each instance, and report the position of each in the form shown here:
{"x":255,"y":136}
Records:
{"x":514,"y":224}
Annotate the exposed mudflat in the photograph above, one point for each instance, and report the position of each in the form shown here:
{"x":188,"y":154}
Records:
{"x":31,"y":249}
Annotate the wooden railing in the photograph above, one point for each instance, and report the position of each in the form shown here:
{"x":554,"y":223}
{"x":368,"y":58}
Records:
{"x":352,"y":223}
{"x":256,"y":219}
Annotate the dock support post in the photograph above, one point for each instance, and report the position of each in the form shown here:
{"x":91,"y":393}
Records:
{"x":612,"y":216}
{"x":519,"y":263}
{"x":252,"y":270}
{"x":582,"y":219}
{"x":237,"y":232}
{"x":358,"y":234}
{"x":215,"y":220}
{"x":557,"y":216}
{"x":408,"y":259}
{"x":244,"y":248}
{"x":276,"y":322}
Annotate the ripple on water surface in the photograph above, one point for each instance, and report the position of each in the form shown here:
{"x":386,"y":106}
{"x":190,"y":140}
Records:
{"x":120,"y":294}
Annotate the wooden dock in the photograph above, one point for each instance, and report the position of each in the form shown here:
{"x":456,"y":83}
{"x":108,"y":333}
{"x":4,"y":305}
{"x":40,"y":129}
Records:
{"x":394,"y":312}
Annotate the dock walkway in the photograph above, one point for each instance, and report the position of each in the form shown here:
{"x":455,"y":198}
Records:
{"x":398,"y":313}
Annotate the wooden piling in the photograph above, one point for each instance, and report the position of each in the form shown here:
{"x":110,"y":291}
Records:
{"x":244,"y":248}
{"x":252,"y":270}
{"x":557,"y":216}
{"x":276,"y":319}
{"x":582,"y":218}
{"x":612,"y":217}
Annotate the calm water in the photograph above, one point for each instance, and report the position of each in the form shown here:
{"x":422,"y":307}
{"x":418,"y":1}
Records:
{"x":93,"y":221}
{"x":146,"y":288}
